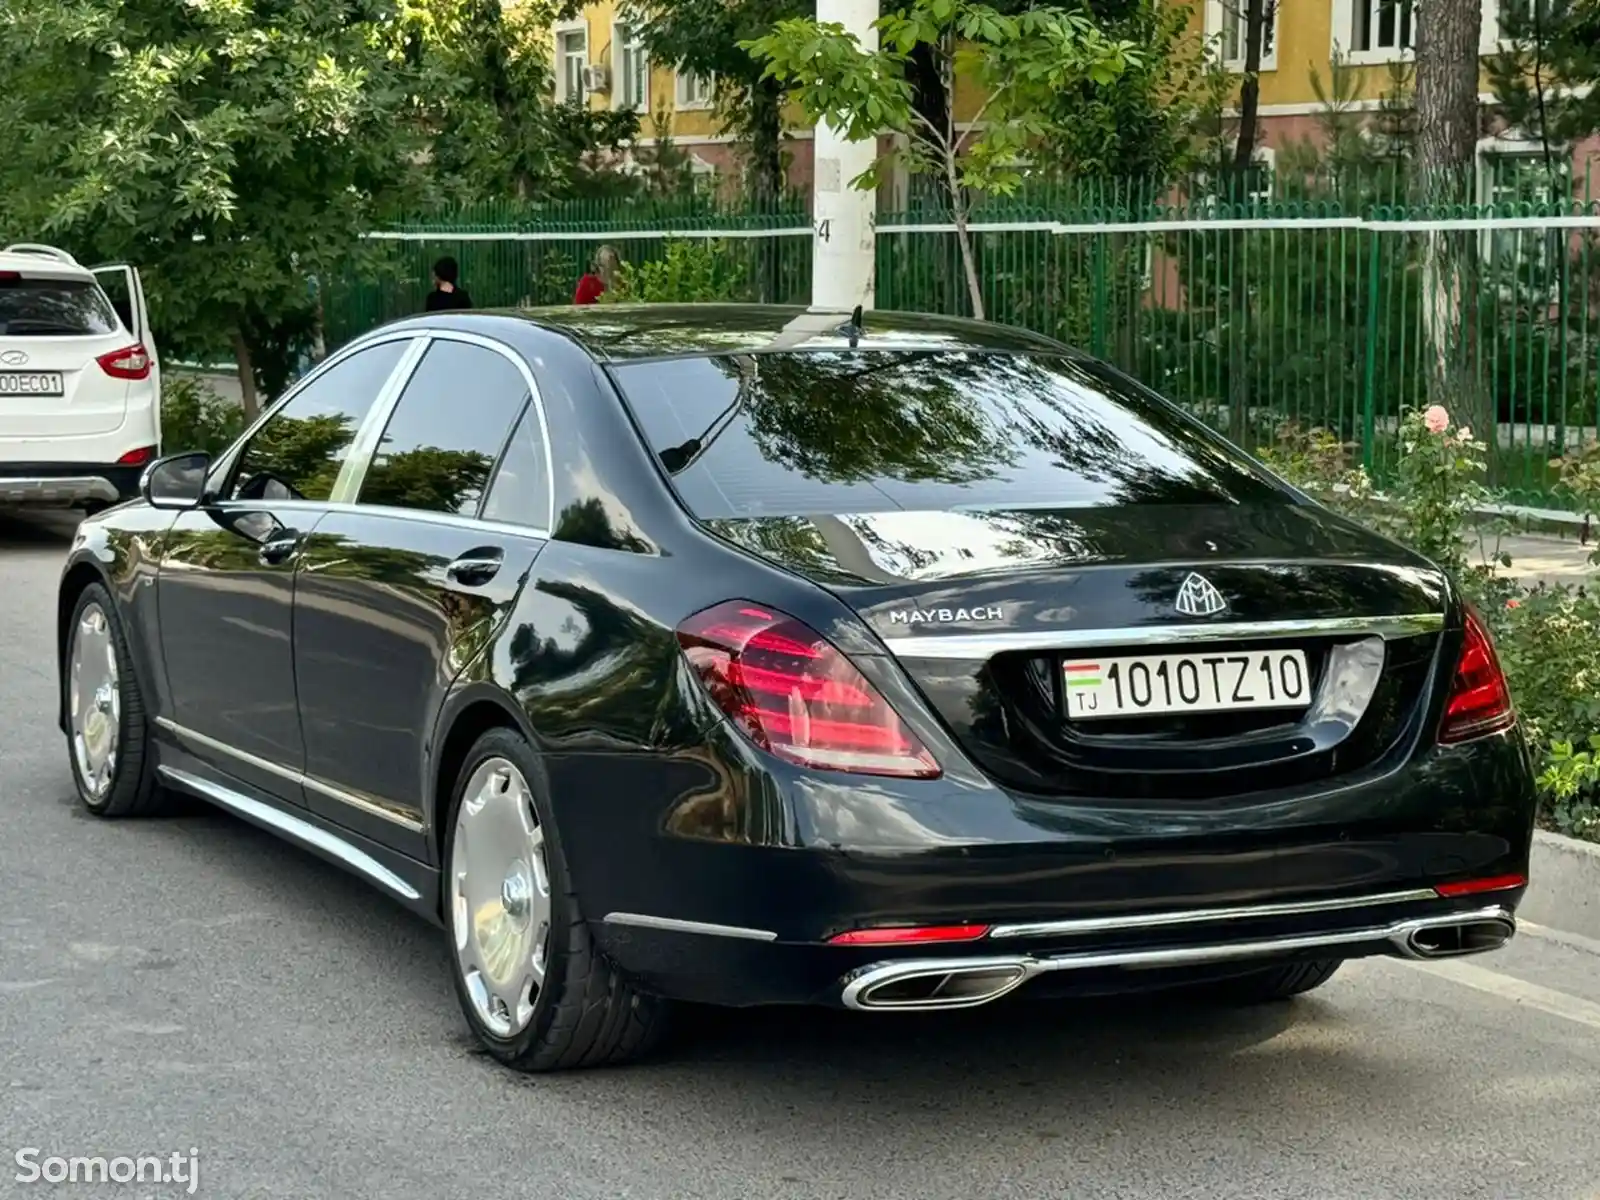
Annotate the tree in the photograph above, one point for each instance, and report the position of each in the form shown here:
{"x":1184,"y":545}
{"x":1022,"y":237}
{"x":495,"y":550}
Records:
{"x":1546,"y":73}
{"x":1016,"y":63}
{"x":1446,"y":153}
{"x":233,"y":151}
{"x":705,"y":37}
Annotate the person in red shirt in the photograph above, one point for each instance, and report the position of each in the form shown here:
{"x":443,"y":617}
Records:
{"x":598,"y":279}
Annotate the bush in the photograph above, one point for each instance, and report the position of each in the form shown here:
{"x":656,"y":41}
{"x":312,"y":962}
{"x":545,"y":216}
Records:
{"x":687,"y":272}
{"x":1546,"y":637}
{"x":193,"y":417}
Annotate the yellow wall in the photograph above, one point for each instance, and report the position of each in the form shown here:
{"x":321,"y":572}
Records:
{"x":1304,"y":35}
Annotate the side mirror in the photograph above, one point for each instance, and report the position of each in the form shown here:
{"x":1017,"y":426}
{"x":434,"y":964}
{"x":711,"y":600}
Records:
{"x":177,"y":481}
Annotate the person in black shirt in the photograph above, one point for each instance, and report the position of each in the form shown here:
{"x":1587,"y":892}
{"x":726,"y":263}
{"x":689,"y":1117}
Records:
{"x":446,"y":292}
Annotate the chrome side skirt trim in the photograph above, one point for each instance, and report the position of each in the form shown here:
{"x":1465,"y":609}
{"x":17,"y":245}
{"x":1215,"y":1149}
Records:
{"x":295,"y":829}
{"x":1201,"y":916}
{"x":988,"y":978}
{"x":673,"y":925}
{"x":289,"y":774}
{"x":984,"y":645}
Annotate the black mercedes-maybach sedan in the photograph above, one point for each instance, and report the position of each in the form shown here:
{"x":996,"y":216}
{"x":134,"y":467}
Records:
{"x":747,"y":655}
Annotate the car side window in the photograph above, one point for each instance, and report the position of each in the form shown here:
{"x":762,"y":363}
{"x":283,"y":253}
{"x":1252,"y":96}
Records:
{"x":446,"y":433}
{"x":297,"y":454}
{"x":520,"y":491}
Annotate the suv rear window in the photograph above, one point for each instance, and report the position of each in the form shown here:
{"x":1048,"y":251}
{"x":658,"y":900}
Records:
{"x":869,"y":431}
{"x":54,"y":308}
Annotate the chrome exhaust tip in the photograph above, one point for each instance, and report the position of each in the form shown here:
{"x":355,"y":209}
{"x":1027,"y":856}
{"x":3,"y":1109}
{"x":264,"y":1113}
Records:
{"x":1459,"y":934}
{"x":933,"y":984}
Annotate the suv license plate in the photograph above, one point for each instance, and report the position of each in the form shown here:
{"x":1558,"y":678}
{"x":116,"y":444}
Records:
{"x":1182,"y":683}
{"x":31,"y":383}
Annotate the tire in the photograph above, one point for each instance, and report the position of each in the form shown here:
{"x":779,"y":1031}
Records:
{"x":97,"y":657}
{"x":1276,"y":983}
{"x":582,"y":1012}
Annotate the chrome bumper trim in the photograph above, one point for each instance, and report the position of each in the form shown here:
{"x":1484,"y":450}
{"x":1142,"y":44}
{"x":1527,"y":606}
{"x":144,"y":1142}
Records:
{"x":63,"y":491}
{"x":984,"y":645}
{"x":1393,"y":940}
{"x":673,"y":925}
{"x":1201,"y":916}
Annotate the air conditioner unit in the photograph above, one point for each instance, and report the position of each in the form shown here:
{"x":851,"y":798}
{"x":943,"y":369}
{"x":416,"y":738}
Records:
{"x":596,"y":79}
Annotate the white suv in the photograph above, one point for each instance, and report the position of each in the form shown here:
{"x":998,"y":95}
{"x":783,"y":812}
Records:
{"x":80,"y":388}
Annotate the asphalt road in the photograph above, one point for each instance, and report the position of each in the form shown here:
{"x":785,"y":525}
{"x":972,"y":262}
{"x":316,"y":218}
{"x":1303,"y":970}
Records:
{"x":190,"y":982}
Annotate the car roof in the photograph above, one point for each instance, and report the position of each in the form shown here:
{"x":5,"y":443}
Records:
{"x":42,"y":262}
{"x":620,"y":332}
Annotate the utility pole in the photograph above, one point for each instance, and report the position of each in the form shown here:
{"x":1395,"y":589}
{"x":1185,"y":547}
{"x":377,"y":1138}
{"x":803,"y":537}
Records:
{"x":844,"y":252}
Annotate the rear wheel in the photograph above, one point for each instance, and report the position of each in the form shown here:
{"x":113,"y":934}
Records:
{"x":536,"y":991}
{"x":108,"y":734}
{"x":1276,"y":983}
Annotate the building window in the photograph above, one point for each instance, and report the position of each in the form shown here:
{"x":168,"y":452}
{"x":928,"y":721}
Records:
{"x":702,"y":176}
{"x":694,"y":91}
{"x":1382,"y":27}
{"x":572,"y":56}
{"x":1516,"y":181}
{"x":1229,"y":22}
{"x":632,"y":85}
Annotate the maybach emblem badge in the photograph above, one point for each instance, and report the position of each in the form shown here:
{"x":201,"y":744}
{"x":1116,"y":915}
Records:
{"x":1198,"y":597}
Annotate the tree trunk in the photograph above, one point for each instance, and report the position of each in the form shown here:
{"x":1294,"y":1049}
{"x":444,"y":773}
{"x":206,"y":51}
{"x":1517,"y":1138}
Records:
{"x":958,"y":213}
{"x":247,"y":376}
{"x":1447,"y":143}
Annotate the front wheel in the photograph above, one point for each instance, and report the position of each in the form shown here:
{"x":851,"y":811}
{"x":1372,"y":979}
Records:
{"x":108,"y":733}
{"x":534,"y":988}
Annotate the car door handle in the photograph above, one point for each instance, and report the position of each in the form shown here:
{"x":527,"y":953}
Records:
{"x":476,"y":567}
{"x":279,"y":548}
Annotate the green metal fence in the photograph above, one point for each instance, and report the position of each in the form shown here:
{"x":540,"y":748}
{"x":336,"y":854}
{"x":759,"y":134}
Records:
{"x":1307,"y":299}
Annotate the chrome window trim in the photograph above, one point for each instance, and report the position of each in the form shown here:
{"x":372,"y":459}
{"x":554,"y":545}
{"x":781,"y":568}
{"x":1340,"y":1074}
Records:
{"x":984,"y":645}
{"x":289,"y":774}
{"x":1201,"y":916}
{"x":353,"y":471}
{"x":225,"y":463}
{"x":391,"y":401}
{"x":293,"y":827}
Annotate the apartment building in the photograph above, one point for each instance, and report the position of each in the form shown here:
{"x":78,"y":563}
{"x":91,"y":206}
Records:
{"x":599,"y":59}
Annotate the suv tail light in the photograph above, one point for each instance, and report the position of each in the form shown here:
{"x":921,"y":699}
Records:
{"x":795,"y":695}
{"x":131,"y":362}
{"x":1480,"y":702}
{"x":137,"y":458}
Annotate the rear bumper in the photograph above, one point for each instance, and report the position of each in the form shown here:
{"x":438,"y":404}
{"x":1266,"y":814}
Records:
{"x":727,"y":886}
{"x":66,"y":485}
{"x":730,"y":966}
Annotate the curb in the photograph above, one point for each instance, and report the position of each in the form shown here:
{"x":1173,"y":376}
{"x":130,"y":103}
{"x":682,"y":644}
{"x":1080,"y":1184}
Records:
{"x":1563,"y":885}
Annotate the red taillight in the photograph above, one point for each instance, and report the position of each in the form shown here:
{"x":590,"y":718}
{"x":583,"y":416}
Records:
{"x":10,"y":276}
{"x":1479,"y":701}
{"x":795,"y":695}
{"x":901,"y":935}
{"x":1471,"y":887}
{"x":137,"y":458}
{"x":131,"y":362}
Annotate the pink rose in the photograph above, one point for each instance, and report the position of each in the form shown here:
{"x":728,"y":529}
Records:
{"x":1513,"y":603}
{"x":1436,"y":419}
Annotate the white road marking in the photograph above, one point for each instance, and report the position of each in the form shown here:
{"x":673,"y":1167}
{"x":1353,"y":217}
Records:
{"x":1506,"y":987}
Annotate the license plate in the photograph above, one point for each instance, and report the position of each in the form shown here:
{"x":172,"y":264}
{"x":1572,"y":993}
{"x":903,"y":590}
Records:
{"x":1185,"y":683}
{"x":31,"y":383}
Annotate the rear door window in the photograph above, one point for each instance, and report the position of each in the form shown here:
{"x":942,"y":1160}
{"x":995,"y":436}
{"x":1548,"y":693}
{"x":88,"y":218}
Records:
{"x":447,"y":432}
{"x":34,"y":307}
{"x":801,"y":433}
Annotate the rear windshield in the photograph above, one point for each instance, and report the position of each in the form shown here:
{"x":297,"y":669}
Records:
{"x":54,"y":308}
{"x":807,"y":432}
